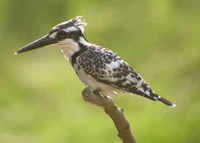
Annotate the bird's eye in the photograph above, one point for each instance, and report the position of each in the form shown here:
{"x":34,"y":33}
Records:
{"x":61,"y":34}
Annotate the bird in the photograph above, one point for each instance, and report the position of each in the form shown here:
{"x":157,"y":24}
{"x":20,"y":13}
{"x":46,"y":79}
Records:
{"x":98,"y":68}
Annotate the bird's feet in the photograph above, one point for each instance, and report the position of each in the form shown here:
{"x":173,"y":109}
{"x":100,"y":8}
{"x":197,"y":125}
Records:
{"x":94,"y":97}
{"x":87,"y":92}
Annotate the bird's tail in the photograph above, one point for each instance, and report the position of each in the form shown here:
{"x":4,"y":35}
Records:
{"x":163,"y":100}
{"x":151,"y":95}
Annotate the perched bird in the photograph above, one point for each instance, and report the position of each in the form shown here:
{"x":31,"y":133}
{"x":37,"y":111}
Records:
{"x":100,"y":69}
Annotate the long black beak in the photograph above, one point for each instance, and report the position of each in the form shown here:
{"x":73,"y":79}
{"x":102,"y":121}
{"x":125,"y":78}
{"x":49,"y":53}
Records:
{"x":44,"y":41}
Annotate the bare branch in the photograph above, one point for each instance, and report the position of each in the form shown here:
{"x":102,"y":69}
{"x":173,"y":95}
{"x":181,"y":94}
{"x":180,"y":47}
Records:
{"x":115,"y":113}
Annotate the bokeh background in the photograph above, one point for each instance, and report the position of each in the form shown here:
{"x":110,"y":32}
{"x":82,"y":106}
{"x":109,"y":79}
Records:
{"x":40,"y":95}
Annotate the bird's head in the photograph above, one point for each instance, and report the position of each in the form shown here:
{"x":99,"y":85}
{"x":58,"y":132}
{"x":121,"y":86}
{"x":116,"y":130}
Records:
{"x":59,"y":34}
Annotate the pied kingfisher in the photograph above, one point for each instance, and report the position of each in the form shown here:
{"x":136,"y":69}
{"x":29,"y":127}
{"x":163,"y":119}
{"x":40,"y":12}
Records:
{"x":100,"y":69}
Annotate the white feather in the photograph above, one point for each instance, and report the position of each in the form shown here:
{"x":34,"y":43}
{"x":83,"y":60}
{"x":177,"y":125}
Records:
{"x":70,"y":29}
{"x":68,"y":47}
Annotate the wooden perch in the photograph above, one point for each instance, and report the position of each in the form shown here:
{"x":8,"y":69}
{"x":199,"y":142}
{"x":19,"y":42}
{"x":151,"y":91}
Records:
{"x":115,"y":113}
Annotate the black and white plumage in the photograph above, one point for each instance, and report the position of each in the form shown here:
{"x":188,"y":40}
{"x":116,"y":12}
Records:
{"x":98,"y":68}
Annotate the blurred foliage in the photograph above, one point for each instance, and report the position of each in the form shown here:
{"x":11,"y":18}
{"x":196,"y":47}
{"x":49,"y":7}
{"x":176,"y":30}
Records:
{"x":40,"y":95}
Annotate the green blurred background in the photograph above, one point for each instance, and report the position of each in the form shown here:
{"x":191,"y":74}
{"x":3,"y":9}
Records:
{"x":40,"y":95}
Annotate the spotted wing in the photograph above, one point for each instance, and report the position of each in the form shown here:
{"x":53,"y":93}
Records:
{"x":108,"y":68}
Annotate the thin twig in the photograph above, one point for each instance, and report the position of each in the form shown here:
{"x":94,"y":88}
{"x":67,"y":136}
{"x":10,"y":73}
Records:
{"x":115,"y":113}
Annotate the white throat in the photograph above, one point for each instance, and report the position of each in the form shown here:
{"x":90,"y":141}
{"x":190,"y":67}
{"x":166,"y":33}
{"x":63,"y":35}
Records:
{"x":69,"y":46}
